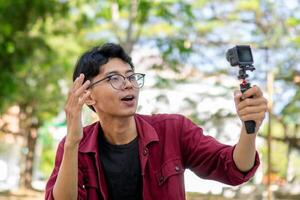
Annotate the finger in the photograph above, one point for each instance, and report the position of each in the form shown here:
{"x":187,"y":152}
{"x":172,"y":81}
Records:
{"x":84,"y":98}
{"x":254,"y":91}
{"x":237,"y":96}
{"x":252,"y":110}
{"x":75,"y":104}
{"x":82,"y":88}
{"x":71,"y":91}
{"x":72,"y":87}
{"x":78,"y":82}
{"x":71,"y":101}
{"x":251,"y":102}
{"x":255,"y":117}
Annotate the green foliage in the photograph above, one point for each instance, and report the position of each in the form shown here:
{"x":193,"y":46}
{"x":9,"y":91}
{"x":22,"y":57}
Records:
{"x":48,"y":152}
{"x":291,"y":110}
{"x":163,"y":83}
{"x":47,"y":162}
{"x":252,"y":5}
{"x":293,"y":21}
{"x":279,"y":158}
{"x":42,"y":43}
{"x":17,"y":20}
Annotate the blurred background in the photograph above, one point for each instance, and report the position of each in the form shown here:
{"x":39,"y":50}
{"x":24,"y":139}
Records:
{"x":180,"y":45}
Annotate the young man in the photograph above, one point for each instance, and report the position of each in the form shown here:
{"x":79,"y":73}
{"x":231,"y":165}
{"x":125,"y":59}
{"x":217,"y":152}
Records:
{"x":130,"y":156}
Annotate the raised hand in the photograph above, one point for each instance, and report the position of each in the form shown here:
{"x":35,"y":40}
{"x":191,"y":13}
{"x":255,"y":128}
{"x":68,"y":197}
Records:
{"x":77,"y":96}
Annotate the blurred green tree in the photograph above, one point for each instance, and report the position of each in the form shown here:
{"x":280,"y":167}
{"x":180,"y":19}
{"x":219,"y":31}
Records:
{"x":31,"y":67}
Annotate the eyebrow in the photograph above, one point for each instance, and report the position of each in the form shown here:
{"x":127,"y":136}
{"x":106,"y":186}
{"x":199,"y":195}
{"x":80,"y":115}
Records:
{"x":116,"y":72}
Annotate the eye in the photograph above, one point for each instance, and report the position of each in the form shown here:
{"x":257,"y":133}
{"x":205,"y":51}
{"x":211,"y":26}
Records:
{"x":133,"y":77}
{"x":114,"y":78}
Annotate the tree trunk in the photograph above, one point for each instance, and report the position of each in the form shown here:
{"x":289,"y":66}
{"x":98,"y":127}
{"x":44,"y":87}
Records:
{"x":31,"y":142}
{"x":29,"y":126}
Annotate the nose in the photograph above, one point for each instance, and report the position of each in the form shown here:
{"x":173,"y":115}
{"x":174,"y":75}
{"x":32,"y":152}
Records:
{"x":127,"y":84}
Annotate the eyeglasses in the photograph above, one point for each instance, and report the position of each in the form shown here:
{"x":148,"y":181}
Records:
{"x":118,"y":81}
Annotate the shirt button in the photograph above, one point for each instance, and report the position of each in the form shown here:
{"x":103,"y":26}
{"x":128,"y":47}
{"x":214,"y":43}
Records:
{"x":145,"y":152}
{"x":83,"y":186}
{"x":177,"y":168}
{"x":161,"y":179}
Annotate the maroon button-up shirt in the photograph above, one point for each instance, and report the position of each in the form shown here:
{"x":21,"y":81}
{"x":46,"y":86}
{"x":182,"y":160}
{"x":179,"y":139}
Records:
{"x":168,"y":144}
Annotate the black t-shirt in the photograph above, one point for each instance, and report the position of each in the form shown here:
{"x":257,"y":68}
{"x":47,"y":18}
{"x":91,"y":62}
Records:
{"x":122,"y":169}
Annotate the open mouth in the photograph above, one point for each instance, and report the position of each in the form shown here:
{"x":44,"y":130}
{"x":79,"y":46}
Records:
{"x":128,"y":98}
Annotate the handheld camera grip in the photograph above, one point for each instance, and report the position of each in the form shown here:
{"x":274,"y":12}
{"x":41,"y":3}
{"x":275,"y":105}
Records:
{"x":250,"y":125}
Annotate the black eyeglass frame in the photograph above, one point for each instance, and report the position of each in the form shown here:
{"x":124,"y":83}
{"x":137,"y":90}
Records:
{"x":124,"y":77}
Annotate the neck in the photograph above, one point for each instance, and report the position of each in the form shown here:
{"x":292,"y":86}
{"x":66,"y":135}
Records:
{"x":118,"y":130}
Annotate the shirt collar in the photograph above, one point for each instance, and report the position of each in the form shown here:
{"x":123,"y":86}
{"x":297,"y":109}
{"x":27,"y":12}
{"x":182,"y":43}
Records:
{"x":146,"y":131}
{"x":89,"y":143}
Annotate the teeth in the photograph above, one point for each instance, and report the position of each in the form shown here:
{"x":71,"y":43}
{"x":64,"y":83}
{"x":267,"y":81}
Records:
{"x":129,"y":97}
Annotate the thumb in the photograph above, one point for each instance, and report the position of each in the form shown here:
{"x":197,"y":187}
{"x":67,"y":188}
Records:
{"x":237,"y":96}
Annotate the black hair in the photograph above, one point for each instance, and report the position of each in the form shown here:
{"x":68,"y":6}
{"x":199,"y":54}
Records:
{"x":91,"y":61}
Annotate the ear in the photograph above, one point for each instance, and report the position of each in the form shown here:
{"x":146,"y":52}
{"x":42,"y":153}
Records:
{"x":90,"y":101}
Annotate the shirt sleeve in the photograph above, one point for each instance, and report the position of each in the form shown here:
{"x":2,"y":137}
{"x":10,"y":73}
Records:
{"x":51,"y":181}
{"x":210,"y":159}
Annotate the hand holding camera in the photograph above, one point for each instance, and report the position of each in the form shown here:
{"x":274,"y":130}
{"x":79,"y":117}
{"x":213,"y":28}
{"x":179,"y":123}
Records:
{"x":250,"y":103}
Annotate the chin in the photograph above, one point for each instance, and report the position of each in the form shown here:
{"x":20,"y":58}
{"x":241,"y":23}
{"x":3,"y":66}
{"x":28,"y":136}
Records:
{"x":126,"y":113}
{"x":129,"y":114}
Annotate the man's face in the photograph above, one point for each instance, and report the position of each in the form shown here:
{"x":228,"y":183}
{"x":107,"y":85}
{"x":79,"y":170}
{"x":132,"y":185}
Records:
{"x":112,"y":102}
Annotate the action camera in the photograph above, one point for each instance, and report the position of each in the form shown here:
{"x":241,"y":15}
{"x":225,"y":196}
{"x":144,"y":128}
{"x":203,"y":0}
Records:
{"x":240,"y":55}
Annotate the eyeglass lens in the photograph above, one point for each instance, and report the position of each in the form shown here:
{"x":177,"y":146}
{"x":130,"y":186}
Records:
{"x":118,"y":81}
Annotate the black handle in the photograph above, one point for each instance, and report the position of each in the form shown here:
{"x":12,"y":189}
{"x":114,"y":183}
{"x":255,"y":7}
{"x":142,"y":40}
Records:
{"x":250,"y":125}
